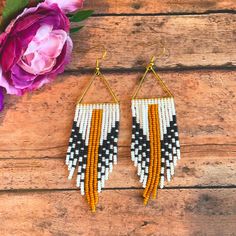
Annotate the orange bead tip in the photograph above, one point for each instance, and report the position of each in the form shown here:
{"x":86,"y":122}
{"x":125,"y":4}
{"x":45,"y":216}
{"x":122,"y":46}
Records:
{"x":93,"y":209}
{"x":154,"y":196}
{"x":145,"y":201}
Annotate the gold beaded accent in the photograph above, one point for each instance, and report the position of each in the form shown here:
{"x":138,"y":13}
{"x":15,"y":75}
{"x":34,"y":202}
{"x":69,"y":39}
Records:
{"x":155,"y":153}
{"x":158,"y":154}
{"x":99,"y":130}
{"x":91,"y":184}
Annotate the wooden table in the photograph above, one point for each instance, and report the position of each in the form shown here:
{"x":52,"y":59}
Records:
{"x":37,"y":199}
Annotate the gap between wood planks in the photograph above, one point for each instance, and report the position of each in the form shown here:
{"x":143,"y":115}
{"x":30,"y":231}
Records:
{"x":113,"y":189}
{"x":208,"y":12}
{"x":83,"y":71}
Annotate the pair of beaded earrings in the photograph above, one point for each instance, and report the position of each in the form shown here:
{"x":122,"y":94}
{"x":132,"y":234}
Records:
{"x":93,"y":144}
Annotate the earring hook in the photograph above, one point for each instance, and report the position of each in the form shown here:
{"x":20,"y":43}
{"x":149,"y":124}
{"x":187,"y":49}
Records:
{"x":154,"y":58}
{"x":102,"y":58}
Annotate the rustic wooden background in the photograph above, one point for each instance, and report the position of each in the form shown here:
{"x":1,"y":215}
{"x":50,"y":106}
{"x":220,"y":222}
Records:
{"x":35,"y":196}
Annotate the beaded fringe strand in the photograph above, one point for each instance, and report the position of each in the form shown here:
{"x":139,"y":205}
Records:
{"x":93,"y":147}
{"x":155,"y":146}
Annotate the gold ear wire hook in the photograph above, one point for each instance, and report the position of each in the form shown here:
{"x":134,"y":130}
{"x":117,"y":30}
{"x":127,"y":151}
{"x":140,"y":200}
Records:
{"x":102,"y":58}
{"x":150,"y":67}
{"x":153,"y":59}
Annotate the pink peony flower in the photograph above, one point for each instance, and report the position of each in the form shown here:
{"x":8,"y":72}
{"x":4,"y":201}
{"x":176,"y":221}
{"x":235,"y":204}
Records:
{"x":36,"y":46}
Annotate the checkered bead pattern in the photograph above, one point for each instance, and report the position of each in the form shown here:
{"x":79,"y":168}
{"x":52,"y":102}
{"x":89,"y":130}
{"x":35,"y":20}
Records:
{"x":93,"y":147}
{"x":155,"y":147}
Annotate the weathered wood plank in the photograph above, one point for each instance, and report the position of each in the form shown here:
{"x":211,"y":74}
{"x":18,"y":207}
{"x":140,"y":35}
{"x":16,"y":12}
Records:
{"x":199,"y":166}
{"x":192,"y":41}
{"x":165,"y":6}
{"x":39,"y":124}
{"x":193,"y":35}
{"x":176,"y":212}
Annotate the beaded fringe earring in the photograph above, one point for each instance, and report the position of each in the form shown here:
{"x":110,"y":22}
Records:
{"x":155,"y":146}
{"x":93,"y":143}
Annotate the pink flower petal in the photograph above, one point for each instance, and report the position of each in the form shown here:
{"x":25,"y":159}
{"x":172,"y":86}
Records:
{"x":12,"y":47}
{"x":41,"y":80}
{"x":67,"y":5}
{"x":43,"y":32}
{"x":53,"y":45}
{"x":21,"y":84}
{"x":64,"y":58}
{"x":9,"y":88}
{"x":40,"y":64}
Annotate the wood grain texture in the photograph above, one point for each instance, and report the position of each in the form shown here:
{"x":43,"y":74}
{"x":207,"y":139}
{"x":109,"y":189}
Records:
{"x":176,"y":212}
{"x":39,"y":124}
{"x":202,"y":166}
{"x":35,"y":196}
{"x":135,"y":35}
{"x":192,"y":41}
{"x":155,"y":7}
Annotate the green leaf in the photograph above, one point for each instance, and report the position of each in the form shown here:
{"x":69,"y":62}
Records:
{"x":76,"y":29}
{"x":81,"y":15}
{"x":11,"y":9}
